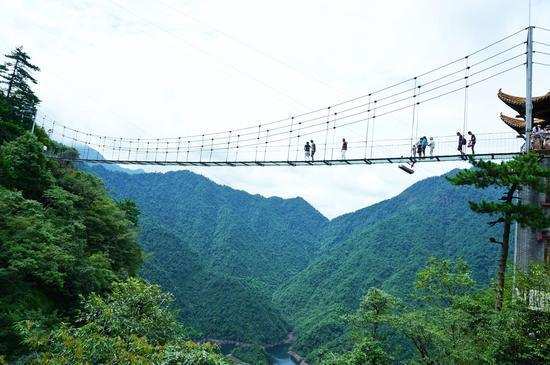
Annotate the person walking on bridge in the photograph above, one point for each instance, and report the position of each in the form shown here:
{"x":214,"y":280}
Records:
{"x":472,"y":142}
{"x":313,"y":149}
{"x":461,"y":143}
{"x":307,"y":148}
{"x":432,"y":146}
{"x":344,"y":148}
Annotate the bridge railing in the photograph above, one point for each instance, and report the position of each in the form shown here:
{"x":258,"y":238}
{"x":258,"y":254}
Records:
{"x":357,"y":149}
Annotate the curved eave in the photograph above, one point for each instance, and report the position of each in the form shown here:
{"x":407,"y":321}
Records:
{"x":541,"y":104}
{"x":519,"y":124}
{"x":516,"y":124}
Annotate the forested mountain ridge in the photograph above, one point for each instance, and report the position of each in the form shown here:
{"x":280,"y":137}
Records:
{"x":383,"y":246}
{"x":316,"y":269}
{"x":220,"y":251}
{"x":268,"y":239}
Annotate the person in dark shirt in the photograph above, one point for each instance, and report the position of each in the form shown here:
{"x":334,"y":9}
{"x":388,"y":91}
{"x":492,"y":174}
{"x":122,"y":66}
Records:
{"x":461,"y":143}
{"x":307,"y":148}
{"x":472,"y":142}
{"x":344,"y":148}
{"x":313,"y":150}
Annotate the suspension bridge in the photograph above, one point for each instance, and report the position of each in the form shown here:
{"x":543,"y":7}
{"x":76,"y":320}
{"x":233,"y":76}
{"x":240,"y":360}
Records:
{"x":366,"y":122}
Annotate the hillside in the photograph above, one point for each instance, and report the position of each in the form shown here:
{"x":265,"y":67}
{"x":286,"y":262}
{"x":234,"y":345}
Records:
{"x":383,"y":246}
{"x":218,"y":305}
{"x":219,"y":248}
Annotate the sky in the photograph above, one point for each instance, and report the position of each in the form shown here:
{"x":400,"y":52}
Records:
{"x":165,"y":68}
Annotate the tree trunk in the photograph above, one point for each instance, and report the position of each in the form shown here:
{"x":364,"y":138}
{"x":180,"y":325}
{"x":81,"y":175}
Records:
{"x":12,"y":79}
{"x":502,"y":263}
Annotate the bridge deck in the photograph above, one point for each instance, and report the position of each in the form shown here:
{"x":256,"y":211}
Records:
{"x":362,"y":161}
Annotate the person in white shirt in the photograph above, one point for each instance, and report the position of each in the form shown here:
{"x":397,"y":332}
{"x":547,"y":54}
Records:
{"x":432,"y":146}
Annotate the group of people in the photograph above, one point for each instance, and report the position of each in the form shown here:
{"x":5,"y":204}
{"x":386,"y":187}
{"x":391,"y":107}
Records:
{"x":540,"y":138}
{"x":310,"y":148}
{"x":462,"y":142}
{"x":419,"y":148}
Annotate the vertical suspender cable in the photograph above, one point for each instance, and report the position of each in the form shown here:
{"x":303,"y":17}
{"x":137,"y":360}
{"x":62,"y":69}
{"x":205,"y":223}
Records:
{"x":333,"y":135}
{"x":202,"y":146}
{"x":326,"y":134}
{"x":372,"y":133}
{"x":228,"y":143}
{"x":211,"y":148}
{"x":178,"y":150}
{"x":413,"y":139}
{"x":367,"y":128}
{"x":266,"y":142}
{"x":257,"y":143}
{"x":466,"y":77}
{"x":290,"y":138}
{"x":237,"y":150}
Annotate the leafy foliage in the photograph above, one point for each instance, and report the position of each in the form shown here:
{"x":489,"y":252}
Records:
{"x":132,"y":325}
{"x":62,"y":239}
{"x":463,"y":328}
{"x":383,"y":246}
{"x":522,"y":172}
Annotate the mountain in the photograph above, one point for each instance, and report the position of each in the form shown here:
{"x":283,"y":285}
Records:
{"x":220,"y":251}
{"x":384,"y":246}
{"x":266,"y":265}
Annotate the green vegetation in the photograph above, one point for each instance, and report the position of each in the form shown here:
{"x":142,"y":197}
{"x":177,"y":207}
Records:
{"x":69,"y":257}
{"x":450,"y":323}
{"x":523,"y":172}
{"x":221,"y":252}
{"x":251,"y":355}
{"x":383,"y":246}
{"x":248,"y":268}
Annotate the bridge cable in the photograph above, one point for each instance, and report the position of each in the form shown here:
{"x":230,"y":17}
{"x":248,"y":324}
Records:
{"x":466,"y":79}
{"x":326,"y":134}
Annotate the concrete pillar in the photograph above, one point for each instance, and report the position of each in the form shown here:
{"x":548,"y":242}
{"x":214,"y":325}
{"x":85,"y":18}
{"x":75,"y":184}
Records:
{"x":533,"y":245}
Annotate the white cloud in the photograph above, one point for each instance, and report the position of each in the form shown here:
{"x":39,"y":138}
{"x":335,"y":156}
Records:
{"x":162,"y":68}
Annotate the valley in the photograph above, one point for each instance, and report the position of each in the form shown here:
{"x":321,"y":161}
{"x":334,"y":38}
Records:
{"x":251,"y":269}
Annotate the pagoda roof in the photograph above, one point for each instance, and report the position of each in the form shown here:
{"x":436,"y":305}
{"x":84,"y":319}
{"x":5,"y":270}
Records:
{"x":541,"y":104}
{"x":519,"y":124}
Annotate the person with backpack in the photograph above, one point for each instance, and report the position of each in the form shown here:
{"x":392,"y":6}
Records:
{"x":307,"y":148}
{"x":472,"y":142}
{"x":424,"y":144}
{"x":461,"y":143}
{"x":313,"y":150}
{"x":344,"y":148}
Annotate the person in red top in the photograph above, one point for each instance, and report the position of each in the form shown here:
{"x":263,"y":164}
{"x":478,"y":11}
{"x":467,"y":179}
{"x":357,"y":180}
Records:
{"x":344,"y":148}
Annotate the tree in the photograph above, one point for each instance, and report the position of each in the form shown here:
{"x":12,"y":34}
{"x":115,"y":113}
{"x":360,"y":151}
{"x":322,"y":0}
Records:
{"x":524,"y":171}
{"x":133,"y":325}
{"x":369,"y":324}
{"x":24,"y":167}
{"x":16,"y":76}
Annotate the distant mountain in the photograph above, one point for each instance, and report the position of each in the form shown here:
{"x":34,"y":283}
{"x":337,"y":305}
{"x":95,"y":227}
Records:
{"x":384,"y":246}
{"x":88,"y":152}
{"x":243,"y":247}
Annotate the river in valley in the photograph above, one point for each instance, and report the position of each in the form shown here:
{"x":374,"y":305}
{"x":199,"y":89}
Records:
{"x":279,"y":355}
